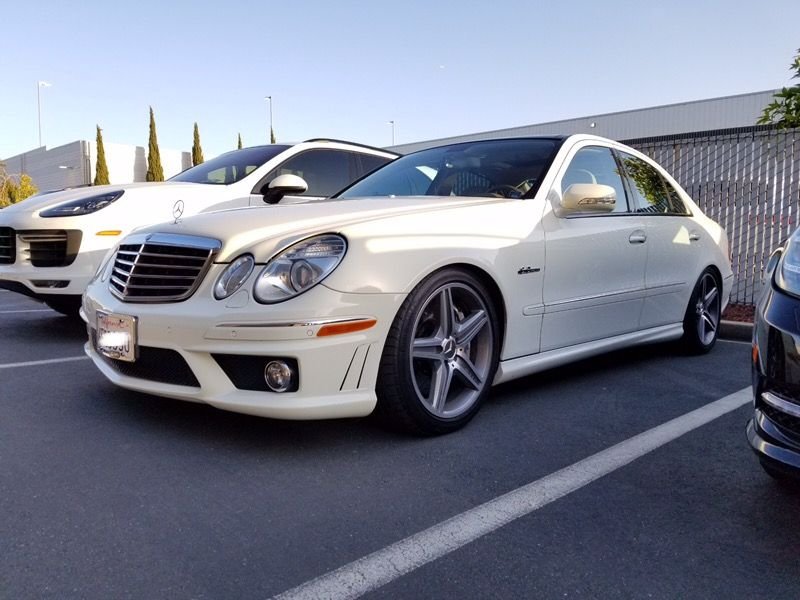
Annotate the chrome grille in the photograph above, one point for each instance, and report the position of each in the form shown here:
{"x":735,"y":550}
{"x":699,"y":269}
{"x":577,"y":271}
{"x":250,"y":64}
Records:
{"x":8,"y":251}
{"x":161,"y":267}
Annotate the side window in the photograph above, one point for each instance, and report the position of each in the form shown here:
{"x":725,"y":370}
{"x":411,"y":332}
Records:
{"x":676,"y":205}
{"x":596,"y":164}
{"x":325,"y":171}
{"x":369,"y":162}
{"x":652,"y":194}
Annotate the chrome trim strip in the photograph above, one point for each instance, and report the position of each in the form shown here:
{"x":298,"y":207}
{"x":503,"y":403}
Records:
{"x":634,"y":294}
{"x":778,"y":403}
{"x":310,"y":323}
{"x":173,"y":239}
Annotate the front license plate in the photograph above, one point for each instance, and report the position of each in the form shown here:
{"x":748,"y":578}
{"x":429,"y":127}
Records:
{"x":116,"y":336}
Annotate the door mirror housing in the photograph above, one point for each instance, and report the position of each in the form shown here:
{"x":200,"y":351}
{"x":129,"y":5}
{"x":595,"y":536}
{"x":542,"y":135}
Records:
{"x":283,"y":185}
{"x":588,"y":197}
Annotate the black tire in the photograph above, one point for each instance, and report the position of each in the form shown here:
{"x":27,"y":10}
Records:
{"x":698,"y":337}
{"x":463,"y":364}
{"x":66,"y":305}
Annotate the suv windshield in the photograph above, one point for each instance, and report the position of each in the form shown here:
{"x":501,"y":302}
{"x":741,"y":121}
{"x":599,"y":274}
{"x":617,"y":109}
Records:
{"x":497,"y":168}
{"x":230,"y":167}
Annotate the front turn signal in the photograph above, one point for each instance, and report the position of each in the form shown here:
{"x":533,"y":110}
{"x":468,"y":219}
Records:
{"x":346,"y":327}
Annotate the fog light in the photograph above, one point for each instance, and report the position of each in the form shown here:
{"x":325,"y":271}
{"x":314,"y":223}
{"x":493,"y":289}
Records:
{"x":279,"y":376}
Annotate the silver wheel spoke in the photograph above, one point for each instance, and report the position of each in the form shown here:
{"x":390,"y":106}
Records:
{"x":468,"y":373}
{"x":446,"y":317}
{"x":710,"y":297}
{"x":470,"y":327}
{"x":709,"y":322}
{"x":440,"y":387}
{"x":427,"y":348}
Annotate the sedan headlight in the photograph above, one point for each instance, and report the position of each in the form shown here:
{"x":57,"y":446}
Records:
{"x":787,"y":273}
{"x":82,"y":206}
{"x":234,"y":276}
{"x":299,"y":268}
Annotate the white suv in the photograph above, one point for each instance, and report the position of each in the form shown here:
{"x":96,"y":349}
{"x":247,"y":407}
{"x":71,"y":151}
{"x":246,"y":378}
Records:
{"x":51,"y":245}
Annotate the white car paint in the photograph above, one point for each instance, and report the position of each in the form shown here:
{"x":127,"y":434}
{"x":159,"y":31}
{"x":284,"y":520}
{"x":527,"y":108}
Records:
{"x":141,"y":204}
{"x":567,"y":288}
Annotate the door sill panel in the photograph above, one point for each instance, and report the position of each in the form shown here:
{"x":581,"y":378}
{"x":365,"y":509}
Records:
{"x":527,"y":365}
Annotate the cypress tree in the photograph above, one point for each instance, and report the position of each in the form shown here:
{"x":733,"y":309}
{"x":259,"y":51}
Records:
{"x":101,"y":169}
{"x":155,"y":172}
{"x":197,"y":150}
{"x":271,"y":135}
{"x":239,"y":146}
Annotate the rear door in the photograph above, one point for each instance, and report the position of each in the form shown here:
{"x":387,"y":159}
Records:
{"x":594,"y":268}
{"x":674,"y":247}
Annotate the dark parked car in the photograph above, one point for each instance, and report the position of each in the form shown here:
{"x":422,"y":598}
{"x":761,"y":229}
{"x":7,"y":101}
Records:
{"x":774,"y":431}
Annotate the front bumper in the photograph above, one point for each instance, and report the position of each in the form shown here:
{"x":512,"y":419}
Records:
{"x":49,"y":256}
{"x":337,"y":373}
{"x":774,"y":431}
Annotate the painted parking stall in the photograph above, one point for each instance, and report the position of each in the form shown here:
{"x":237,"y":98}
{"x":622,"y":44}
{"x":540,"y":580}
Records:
{"x":226,"y":505}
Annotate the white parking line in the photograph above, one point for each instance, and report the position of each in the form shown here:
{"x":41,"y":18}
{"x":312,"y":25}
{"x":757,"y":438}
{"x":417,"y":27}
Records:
{"x":28,"y":310}
{"x":49,"y":361}
{"x":383,"y":566}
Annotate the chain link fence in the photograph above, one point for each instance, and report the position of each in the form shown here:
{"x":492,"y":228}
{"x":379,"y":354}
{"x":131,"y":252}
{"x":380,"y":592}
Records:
{"x":747,"y":180}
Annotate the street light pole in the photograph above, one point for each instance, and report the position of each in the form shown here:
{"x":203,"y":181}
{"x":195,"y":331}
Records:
{"x":39,"y":86}
{"x":271,"y":130}
{"x":392,"y":124}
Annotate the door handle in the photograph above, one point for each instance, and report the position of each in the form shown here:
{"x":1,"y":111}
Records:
{"x":637,"y":237}
{"x":694,"y":237}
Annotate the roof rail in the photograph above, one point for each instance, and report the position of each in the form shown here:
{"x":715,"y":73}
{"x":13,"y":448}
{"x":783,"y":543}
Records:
{"x":353,"y":144}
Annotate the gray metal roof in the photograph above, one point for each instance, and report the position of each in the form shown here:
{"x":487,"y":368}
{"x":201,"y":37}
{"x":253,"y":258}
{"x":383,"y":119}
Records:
{"x":699,"y":115}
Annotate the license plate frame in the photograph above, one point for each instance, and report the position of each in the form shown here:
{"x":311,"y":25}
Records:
{"x":116,"y":336}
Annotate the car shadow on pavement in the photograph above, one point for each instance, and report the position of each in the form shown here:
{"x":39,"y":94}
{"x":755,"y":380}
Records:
{"x":589,"y":368}
{"x":34,"y":327}
{"x":201,"y":422}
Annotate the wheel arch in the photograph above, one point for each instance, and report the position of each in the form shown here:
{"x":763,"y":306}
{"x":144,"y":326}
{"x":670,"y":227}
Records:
{"x":496,"y":295}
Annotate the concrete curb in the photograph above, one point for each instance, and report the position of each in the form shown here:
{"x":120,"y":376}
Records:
{"x":736,"y":330}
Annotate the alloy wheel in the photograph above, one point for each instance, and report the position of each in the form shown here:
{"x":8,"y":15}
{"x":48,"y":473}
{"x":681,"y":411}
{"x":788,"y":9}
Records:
{"x":451,"y":350}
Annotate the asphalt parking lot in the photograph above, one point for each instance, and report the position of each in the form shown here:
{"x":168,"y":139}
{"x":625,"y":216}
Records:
{"x":106,"y":493}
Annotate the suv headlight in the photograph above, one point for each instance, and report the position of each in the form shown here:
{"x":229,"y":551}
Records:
{"x":234,"y":276}
{"x":787,"y":273}
{"x":299,"y":268}
{"x":82,"y":206}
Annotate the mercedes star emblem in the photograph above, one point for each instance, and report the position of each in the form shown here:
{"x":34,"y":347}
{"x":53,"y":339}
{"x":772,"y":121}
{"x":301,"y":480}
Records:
{"x":177,"y":210}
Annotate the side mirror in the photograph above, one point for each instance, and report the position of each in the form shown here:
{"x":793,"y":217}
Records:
{"x":283,"y":185}
{"x":588,"y":197}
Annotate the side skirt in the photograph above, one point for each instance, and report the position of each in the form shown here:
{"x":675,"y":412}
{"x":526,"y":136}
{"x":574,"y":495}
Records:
{"x":526,"y":365}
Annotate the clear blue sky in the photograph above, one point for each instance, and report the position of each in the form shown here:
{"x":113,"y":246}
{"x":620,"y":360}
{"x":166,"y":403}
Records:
{"x":344,"y":68}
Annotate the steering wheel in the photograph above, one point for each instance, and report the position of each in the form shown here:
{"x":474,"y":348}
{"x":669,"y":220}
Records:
{"x":505,"y":191}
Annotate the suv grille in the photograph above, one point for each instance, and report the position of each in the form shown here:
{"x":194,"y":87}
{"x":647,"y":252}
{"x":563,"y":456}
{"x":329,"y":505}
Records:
{"x":8,"y":242}
{"x":47,"y":248}
{"x":161,"y":267}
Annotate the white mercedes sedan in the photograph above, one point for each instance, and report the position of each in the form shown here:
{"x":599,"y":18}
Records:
{"x":52,"y":244}
{"x":416,"y":289}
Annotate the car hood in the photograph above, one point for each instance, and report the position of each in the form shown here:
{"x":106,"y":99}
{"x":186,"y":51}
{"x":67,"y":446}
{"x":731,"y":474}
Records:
{"x":44,"y":201}
{"x":246,"y":229}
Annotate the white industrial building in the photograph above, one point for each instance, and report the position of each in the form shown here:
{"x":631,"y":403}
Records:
{"x":74,"y":164}
{"x":727,"y":112}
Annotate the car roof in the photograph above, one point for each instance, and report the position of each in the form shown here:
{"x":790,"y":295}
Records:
{"x":332,"y":141}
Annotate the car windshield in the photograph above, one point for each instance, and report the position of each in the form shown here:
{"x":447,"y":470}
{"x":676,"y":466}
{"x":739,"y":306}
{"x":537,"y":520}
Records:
{"x":230,"y":167}
{"x":497,"y":168}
